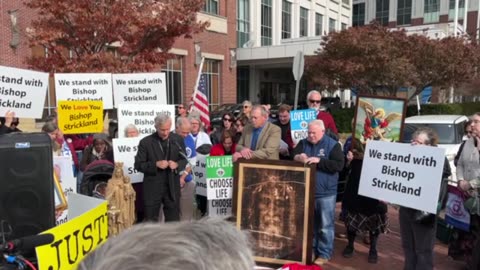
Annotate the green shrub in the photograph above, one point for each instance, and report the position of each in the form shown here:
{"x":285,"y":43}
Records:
{"x":343,"y":119}
{"x":455,"y":108}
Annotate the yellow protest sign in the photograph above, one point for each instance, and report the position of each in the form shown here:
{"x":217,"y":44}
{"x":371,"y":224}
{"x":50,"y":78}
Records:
{"x":74,"y":239}
{"x":76,"y":117}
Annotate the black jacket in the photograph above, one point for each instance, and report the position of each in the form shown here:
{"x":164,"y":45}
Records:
{"x":149,"y":152}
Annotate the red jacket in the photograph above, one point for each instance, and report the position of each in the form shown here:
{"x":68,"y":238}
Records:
{"x":328,"y":121}
{"x":218,"y":150}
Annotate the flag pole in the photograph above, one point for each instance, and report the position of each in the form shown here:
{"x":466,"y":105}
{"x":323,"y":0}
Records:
{"x":196,"y":84}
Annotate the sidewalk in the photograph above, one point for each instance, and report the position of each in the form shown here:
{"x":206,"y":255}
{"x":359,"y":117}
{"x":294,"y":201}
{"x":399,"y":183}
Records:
{"x":390,"y":254}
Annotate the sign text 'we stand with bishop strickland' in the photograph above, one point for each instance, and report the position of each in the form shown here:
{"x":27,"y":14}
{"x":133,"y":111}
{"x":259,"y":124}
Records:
{"x":395,"y":171}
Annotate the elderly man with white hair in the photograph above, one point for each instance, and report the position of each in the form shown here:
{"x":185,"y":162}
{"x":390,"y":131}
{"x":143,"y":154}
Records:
{"x":314,"y":101}
{"x":327,"y":154}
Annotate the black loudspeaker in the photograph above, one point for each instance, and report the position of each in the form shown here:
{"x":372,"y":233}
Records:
{"x":26,"y":184}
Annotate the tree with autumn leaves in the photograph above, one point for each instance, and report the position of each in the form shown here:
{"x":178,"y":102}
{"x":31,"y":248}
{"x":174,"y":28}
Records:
{"x":109,"y":35}
{"x":377,"y":60}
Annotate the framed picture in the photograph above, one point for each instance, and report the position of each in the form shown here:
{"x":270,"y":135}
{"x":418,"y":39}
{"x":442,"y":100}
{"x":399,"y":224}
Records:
{"x":379,"y":118}
{"x":273,"y":201}
{"x":59,"y":196}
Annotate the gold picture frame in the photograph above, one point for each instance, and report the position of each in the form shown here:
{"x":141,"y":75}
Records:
{"x":59,"y":197}
{"x":273,"y":201}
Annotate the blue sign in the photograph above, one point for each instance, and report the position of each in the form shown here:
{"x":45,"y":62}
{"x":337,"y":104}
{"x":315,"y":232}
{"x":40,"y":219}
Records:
{"x":299,"y":120}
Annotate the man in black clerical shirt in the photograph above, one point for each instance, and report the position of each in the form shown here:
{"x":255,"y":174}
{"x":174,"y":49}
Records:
{"x":159,"y":159}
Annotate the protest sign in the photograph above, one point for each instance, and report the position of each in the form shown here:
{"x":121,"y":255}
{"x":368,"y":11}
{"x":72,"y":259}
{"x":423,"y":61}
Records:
{"x":455,"y":212}
{"x":84,"y":87}
{"x":220,"y":208}
{"x":299,"y":120}
{"x":200,"y":173}
{"x":64,"y":170}
{"x":403,"y":174}
{"x":219,"y":177}
{"x":77,"y":117}
{"x":139,"y":88}
{"x":125,"y":150}
{"x":23,"y":92}
{"x":142,"y":116}
{"x":74,"y":239}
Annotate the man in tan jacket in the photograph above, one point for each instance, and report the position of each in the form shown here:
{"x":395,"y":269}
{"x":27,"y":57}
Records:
{"x":260,"y":139}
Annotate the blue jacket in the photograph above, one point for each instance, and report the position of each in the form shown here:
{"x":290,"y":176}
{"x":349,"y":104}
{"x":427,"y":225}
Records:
{"x":331,"y":162}
{"x":191,"y":154}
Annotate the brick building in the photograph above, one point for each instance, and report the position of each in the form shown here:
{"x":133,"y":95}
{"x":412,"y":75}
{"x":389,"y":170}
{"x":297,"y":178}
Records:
{"x":215,"y":44}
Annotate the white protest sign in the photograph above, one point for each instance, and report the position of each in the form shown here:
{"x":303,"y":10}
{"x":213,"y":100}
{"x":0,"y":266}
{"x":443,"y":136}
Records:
{"x":142,"y":116}
{"x":84,"y":86}
{"x":219,"y":177}
{"x":23,"y":92}
{"x":64,"y":170}
{"x":220,"y":208}
{"x":402,"y":174}
{"x":139,"y":88}
{"x":200,"y":173}
{"x":125,"y":150}
{"x":299,"y":120}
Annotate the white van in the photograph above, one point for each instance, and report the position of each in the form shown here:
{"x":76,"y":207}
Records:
{"x":450,"y":130}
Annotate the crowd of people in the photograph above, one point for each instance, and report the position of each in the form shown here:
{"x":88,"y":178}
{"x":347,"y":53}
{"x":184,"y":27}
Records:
{"x":167,"y":160}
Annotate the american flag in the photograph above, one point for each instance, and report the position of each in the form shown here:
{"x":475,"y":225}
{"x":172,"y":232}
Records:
{"x":200,"y":101}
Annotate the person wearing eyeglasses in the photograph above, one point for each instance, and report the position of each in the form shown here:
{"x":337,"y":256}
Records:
{"x":314,"y":100}
{"x":468,"y":175}
{"x":247,"y":108}
{"x":417,"y":234}
{"x":227,"y":124}
{"x":181,"y":110}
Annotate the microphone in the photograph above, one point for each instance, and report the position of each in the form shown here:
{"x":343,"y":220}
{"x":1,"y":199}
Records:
{"x":180,"y":150}
{"x":28,"y":242}
{"x":185,"y":156}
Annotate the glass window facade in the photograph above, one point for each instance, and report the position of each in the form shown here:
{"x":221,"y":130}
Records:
{"x":331,"y":25}
{"x":431,"y":11}
{"x":381,"y":11}
{"x":266,"y":27}
{"x":286,"y":19}
{"x":211,"y":6}
{"x":451,"y":9}
{"x":404,"y":12}
{"x":243,"y":22}
{"x":318,"y":24}
{"x":173,"y":74}
{"x":212,"y":69}
{"x":303,"y":22}
{"x":358,"y":14}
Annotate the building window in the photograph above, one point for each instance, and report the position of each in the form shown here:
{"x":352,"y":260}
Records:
{"x":243,"y":22}
{"x":344,"y":26}
{"x":286,"y":19}
{"x":451,"y":9}
{"x":211,"y":6}
{"x":346,"y":2}
{"x":432,"y":11}
{"x":381,"y":14}
{"x":173,"y":74}
{"x":211,"y":68}
{"x":404,"y":12}
{"x":243,"y":81}
{"x":318,"y":24}
{"x":358,"y":16}
{"x":331,"y":25}
{"x":303,"y":22}
{"x":266,"y":28}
